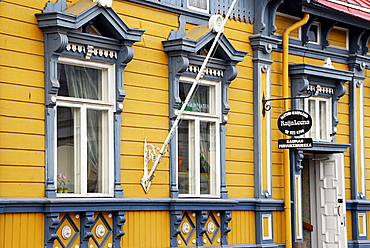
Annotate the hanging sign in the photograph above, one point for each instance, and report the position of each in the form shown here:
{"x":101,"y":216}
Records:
{"x":294,"y":122}
{"x":295,"y":143}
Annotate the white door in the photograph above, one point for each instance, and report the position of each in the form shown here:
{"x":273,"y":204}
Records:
{"x":329,"y":194}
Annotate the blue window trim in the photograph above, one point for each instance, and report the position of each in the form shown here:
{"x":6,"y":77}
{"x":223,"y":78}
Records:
{"x":60,"y":28}
{"x":303,"y":75}
{"x":182,"y":52}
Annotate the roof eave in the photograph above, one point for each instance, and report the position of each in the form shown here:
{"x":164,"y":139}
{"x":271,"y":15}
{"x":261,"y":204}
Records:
{"x":326,"y":12}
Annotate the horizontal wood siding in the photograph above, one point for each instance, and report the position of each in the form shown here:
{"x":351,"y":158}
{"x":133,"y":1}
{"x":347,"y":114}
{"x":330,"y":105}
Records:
{"x":22,"y":230}
{"x":239,"y":134}
{"x":22,"y":170}
{"x":338,"y":38}
{"x":284,"y":21}
{"x":146,"y":104}
{"x":276,"y":111}
{"x":22,"y":135}
{"x":146,"y":229}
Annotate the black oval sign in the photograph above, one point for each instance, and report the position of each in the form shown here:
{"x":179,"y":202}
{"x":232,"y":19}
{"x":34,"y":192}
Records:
{"x":294,"y":122}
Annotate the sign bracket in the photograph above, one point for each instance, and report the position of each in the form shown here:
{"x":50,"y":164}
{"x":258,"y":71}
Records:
{"x":267,"y":107}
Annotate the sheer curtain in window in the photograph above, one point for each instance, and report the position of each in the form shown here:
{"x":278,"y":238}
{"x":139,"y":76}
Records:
{"x":84,"y":83}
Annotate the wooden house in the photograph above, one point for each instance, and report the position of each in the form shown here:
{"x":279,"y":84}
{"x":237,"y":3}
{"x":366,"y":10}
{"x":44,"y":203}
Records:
{"x":184,"y":123}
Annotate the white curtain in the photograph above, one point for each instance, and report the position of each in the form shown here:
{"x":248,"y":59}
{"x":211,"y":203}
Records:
{"x":83,"y":83}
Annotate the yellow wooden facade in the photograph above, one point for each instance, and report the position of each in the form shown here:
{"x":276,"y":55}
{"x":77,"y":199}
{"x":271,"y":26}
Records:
{"x":145,"y":115}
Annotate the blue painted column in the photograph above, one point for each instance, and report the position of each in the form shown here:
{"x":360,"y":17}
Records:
{"x":359,"y":223}
{"x":262,"y":47}
{"x":51,"y":225}
{"x":118,"y":221}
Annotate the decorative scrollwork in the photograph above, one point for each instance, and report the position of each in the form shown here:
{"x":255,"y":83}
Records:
{"x":314,"y":90}
{"x":52,"y":225}
{"x":120,"y":220}
{"x":150,"y":152}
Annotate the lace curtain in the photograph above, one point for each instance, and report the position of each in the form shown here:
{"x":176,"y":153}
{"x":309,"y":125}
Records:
{"x":82,"y":82}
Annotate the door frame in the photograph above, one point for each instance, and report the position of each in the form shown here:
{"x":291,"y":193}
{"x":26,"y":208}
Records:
{"x":314,"y":174}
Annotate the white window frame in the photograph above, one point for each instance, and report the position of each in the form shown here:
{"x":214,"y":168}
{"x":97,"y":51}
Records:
{"x":346,"y":30}
{"x":317,"y":124}
{"x":107,"y":104}
{"x":197,"y":117}
{"x":318,"y":35}
{"x":196,"y":8}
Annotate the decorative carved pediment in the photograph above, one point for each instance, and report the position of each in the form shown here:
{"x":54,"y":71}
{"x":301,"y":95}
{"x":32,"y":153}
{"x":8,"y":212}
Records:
{"x":187,"y":53}
{"x":87,"y":30}
{"x":327,"y":81}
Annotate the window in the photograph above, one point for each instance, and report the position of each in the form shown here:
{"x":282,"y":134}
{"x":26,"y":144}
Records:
{"x":198,"y":150}
{"x":200,"y":5}
{"x":83,"y":97}
{"x":84,"y":128}
{"x":198,"y":140}
{"x":320,"y":110}
{"x":314,"y":33}
{"x":339,"y":38}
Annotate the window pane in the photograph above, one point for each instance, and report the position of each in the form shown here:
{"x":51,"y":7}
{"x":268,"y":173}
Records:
{"x":205,"y":157}
{"x":183,"y":157}
{"x":323,"y":120}
{"x":94,"y":151}
{"x":312,"y":112}
{"x":68,"y":145}
{"x":319,"y":109}
{"x":199,"y":102}
{"x":80,"y":82}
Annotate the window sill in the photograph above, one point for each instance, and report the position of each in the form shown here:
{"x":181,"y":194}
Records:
{"x":71,"y":195}
{"x":186,"y":196}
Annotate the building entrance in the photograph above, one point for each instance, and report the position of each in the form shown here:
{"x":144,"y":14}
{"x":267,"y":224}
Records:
{"x":323,"y":201}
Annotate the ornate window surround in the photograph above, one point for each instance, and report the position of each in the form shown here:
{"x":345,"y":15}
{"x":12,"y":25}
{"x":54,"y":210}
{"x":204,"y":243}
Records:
{"x":66,"y":33}
{"x":329,"y":82}
{"x":185,"y":60}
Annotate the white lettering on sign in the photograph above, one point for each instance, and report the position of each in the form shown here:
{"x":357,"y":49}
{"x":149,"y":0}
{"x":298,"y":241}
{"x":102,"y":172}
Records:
{"x":286,"y":146}
{"x":295,"y":143}
{"x":294,"y":133}
{"x":289,"y":113}
{"x":294,"y":123}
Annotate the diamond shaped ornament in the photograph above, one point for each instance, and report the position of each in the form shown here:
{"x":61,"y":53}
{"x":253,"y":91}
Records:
{"x":213,"y":228}
{"x":187,"y":230}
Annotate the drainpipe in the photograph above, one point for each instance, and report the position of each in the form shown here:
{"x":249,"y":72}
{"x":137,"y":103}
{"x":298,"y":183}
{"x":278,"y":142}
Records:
{"x":287,"y":199}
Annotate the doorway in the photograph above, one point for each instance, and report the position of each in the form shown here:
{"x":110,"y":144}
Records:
{"x":323,"y":201}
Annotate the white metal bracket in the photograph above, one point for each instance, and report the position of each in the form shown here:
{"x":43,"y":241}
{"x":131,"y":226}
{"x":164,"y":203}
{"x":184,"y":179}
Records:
{"x":151,"y":153}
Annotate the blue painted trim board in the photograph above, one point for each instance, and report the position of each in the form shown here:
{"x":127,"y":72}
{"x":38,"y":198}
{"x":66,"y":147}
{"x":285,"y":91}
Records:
{"x":41,"y":204}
